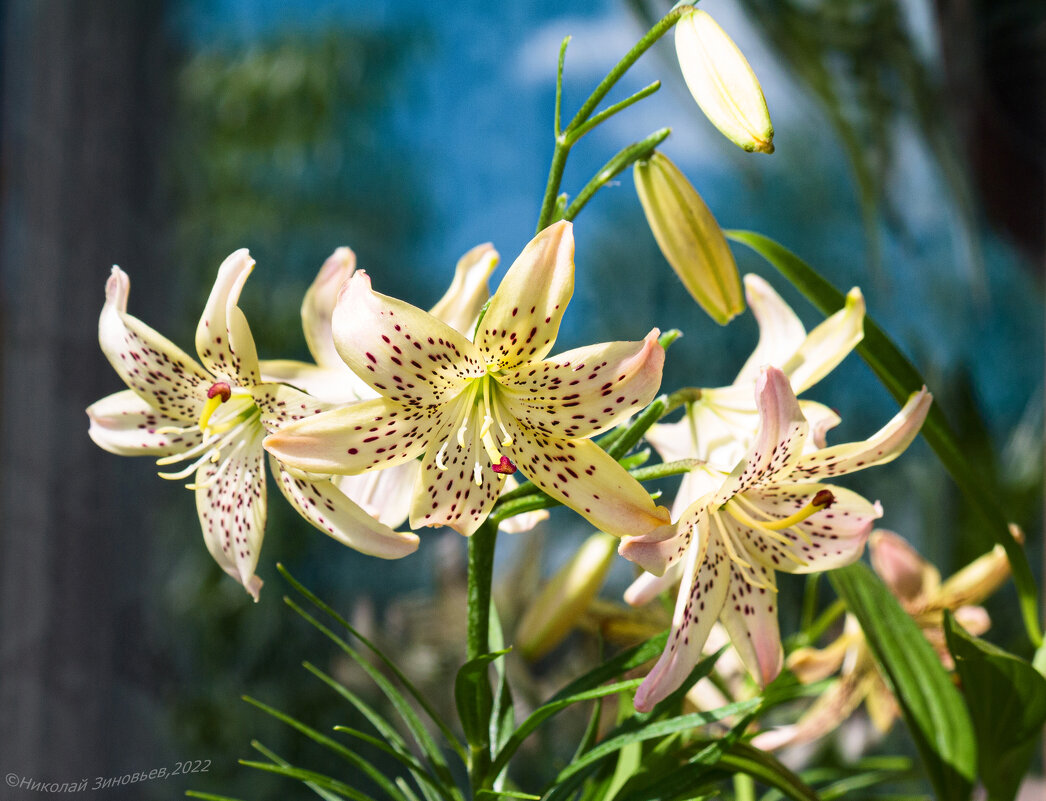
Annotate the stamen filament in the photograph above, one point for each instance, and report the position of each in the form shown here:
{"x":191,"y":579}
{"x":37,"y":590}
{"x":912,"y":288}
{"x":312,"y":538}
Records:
{"x":769,"y":532}
{"x":743,"y":566}
{"x":488,"y":399}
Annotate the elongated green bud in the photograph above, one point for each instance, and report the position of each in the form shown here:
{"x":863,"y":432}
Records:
{"x":563,"y":601}
{"x":689,"y":237}
{"x":722,"y":82}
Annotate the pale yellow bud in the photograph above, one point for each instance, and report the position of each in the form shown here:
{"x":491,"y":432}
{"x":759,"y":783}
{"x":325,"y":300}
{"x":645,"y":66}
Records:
{"x":563,"y":601}
{"x":722,"y":82}
{"x":689,"y":237}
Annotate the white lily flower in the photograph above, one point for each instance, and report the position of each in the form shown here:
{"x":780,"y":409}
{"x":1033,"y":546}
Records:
{"x":212,"y":415}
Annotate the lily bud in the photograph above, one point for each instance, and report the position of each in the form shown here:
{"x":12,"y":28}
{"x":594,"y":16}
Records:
{"x":563,"y":601}
{"x":722,"y":82}
{"x":689,"y":237}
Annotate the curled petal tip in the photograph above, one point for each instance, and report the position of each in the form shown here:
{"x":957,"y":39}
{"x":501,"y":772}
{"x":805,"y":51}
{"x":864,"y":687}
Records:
{"x":117,"y":287}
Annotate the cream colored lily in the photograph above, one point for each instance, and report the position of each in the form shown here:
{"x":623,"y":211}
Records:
{"x":477,"y":411}
{"x":213,"y":415}
{"x":771,"y":513}
{"x":917,"y":586}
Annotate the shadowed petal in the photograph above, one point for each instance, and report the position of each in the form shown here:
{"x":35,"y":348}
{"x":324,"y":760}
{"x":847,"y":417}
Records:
{"x":332,"y":384}
{"x":461,"y":303}
{"x":125,"y":424}
{"x":780,"y":331}
{"x":702,"y":593}
{"x":281,"y":405}
{"x":317,"y":307}
{"x":880,"y":448}
{"x":230,"y":502}
{"x":517,"y":524}
{"x":324,"y":505}
{"x":822,"y":419}
{"x":750,"y":618}
{"x":402,"y":352}
{"x":351,"y":439}
{"x":223,"y":338}
{"x":523,"y":318}
{"x":902,"y":569}
{"x":647,"y":586}
{"x":586,"y":391}
{"x":383,"y":494}
{"x":156,"y":369}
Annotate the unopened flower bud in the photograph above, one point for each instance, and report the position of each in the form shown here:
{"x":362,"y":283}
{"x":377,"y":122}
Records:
{"x":563,"y":601}
{"x":689,"y":237}
{"x":722,"y":82}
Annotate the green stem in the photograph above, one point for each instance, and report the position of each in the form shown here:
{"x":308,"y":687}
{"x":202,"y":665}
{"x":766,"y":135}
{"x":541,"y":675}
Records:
{"x":744,"y":787}
{"x":813,"y":632}
{"x":480,"y":574}
{"x":610,"y":111}
{"x":636,"y":152}
{"x":650,"y":415}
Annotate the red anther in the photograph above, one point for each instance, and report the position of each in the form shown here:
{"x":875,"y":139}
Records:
{"x":505,"y":467}
{"x":220,"y":388}
{"x":824,"y":498}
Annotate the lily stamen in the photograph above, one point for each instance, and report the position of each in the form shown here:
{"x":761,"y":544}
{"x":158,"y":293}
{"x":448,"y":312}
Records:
{"x":742,"y":565}
{"x":218,"y":394}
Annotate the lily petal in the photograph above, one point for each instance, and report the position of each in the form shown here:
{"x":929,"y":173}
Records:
{"x":586,"y":391}
{"x":125,"y":424}
{"x":779,"y":443}
{"x":317,"y":307}
{"x":907,"y":575}
{"x":702,"y":594}
{"x":457,"y":486}
{"x":830,"y":538}
{"x":332,"y":384}
{"x":975,"y":582}
{"x":647,"y":586}
{"x":580,"y":474}
{"x":822,"y":419}
{"x":813,"y":664}
{"x":280,"y":405}
{"x":665,"y":546}
{"x":383,"y":494}
{"x":523,"y":318}
{"x":780,"y":330}
{"x":156,"y":369}
{"x":351,"y":439}
{"x":880,"y":448}
{"x":223,"y":339}
{"x":230,"y":502}
{"x":749,"y":616}
{"x":402,"y":352}
{"x":462,"y":302}
{"x":827,"y":345}
{"x":321,"y":503}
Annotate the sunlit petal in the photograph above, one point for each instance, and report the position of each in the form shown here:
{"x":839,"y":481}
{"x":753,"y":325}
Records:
{"x":280,"y":405}
{"x":750,"y":618}
{"x":827,"y":345}
{"x":321,"y":503}
{"x":702,"y":593}
{"x":780,"y":331}
{"x":223,"y":339}
{"x":318,"y":306}
{"x":332,"y":384}
{"x":880,"y":448}
{"x":822,"y":419}
{"x":402,"y":352}
{"x":364,"y":436}
{"x":230,"y":502}
{"x":666,"y":545}
{"x":585,"y":391}
{"x":523,"y":318}
{"x":156,"y":369}
{"x":460,"y":305}
{"x":125,"y":424}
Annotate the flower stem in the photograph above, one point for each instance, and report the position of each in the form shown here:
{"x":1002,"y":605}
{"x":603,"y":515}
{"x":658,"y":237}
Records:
{"x":480,"y":573}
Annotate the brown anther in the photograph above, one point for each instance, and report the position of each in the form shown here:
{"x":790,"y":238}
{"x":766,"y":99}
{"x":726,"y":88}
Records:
{"x":220,"y":388}
{"x":505,"y":467}
{"x":824,"y":498}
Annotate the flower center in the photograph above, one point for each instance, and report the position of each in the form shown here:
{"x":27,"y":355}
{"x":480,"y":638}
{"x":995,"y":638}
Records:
{"x":218,"y":394}
{"x":822,"y":500}
{"x":480,"y":398}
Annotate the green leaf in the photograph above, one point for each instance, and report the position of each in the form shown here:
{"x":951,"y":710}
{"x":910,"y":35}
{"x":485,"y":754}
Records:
{"x":311,"y":778}
{"x":932,"y":707}
{"x":473,"y":698}
{"x":423,"y":702}
{"x":901,"y":378}
{"x":210,"y":796}
{"x":764,"y":768}
{"x":322,"y":793}
{"x":1006,"y":697}
{"x":506,"y":794}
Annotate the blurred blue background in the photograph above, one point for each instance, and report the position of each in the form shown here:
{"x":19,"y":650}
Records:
{"x":162,"y":136}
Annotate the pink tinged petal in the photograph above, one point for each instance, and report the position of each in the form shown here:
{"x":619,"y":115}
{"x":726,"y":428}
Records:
{"x":702,"y":593}
{"x":880,"y":448}
{"x":368,"y":435}
{"x":673,"y":441}
{"x":902,"y":569}
{"x":822,"y":419}
{"x":586,"y":391}
{"x":156,"y":369}
{"x":830,"y":538}
{"x":447,"y":492}
{"x":666,"y":545}
{"x":461,"y":304}
{"x":579,"y":474}
{"x":125,"y":424}
{"x":402,"y":352}
{"x":779,"y":443}
{"x":383,"y":494}
{"x":974,"y":619}
{"x":780,"y":331}
{"x":332,"y":384}
{"x":223,"y":339}
{"x":230,"y":502}
{"x":750,"y":618}
{"x":827,"y":345}
{"x":321,"y":503}
{"x":281,"y":405}
{"x":523,"y":318}
{"x":648,"y":586}
{"x":317,"y":307}
{"x":823,"y":717}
